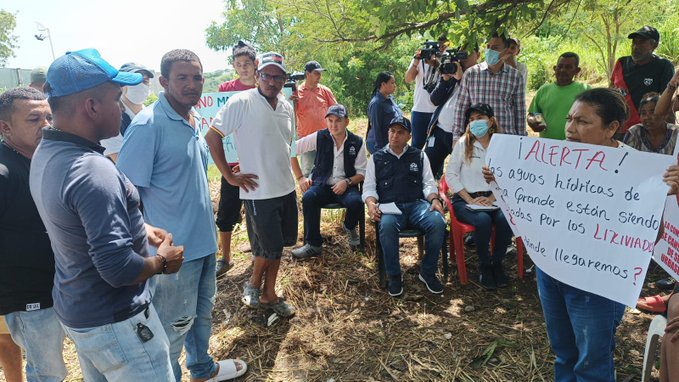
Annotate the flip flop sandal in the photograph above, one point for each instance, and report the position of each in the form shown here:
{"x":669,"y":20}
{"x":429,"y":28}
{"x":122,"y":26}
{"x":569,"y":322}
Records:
{"x":223,"y":266}
{"x":654,"y":304}
{"x":227,"y":370}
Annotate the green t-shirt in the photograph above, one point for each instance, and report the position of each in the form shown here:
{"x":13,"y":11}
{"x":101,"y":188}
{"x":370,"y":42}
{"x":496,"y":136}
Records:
{"x":554,"y":102}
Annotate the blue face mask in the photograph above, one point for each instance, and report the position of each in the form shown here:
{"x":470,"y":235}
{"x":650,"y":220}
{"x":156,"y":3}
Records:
{"x":492,"y":57}
{"x":479,"y":127}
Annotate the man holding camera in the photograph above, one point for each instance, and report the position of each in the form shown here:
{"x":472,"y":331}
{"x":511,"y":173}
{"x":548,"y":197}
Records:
{"x":311,"y":103}
{"x":497,"y":84}
{"x":445,"y":96}
{"x":423,"y":70}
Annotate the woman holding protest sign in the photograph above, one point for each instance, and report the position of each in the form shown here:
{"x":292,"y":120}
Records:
{"x":473,"y":200}
{"x":581,"y":325}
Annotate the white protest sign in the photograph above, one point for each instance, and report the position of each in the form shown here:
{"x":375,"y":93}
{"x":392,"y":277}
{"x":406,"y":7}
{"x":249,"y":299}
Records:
{"x":666,"y":251}
{"x":588,"y":215}
{"x":208,"y":106}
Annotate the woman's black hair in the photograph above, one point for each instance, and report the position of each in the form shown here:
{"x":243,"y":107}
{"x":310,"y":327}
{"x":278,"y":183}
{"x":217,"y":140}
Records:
{"x":244,"y":49}
{"x":650,"y":97}
{"x":382,"y":78}
{"x":609,"y":103}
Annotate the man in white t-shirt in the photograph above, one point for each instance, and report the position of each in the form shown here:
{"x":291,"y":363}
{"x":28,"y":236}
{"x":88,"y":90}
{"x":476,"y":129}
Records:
{"x":260,"y":120}
{"x":426,"y":75}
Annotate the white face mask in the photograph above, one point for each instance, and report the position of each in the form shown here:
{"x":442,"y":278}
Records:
{"x":137,"y":94}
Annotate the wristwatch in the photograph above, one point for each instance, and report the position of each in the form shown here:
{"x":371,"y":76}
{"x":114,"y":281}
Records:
{"x":348,"y":181}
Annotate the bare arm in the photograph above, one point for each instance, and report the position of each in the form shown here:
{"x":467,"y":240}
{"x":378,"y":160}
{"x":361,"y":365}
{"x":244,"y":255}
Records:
{"x":304,"y":182}
{"x":168,"y":260}
{"x":665,"y":102}
{"x":411,"y":74}
{"x":245,"y":181}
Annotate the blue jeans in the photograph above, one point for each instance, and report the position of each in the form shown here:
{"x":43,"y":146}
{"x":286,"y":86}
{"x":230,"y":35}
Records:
{"x":416,"y":214}
{"x":581,"y":329}
{"x":483,"y":221}
{"x":318,"y":196}
{"x":184,"y":301}
{"x":420,"y":123}
{"x":307,"y":162}
{"x":114,"y":352}
{"x":41,"y":336}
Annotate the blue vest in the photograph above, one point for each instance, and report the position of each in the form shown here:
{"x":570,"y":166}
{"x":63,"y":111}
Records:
{"x":325,"y":156}
{"x":399,"y":180}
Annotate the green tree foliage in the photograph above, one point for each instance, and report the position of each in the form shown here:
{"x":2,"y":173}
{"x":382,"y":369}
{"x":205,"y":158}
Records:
{"x":356,"y":39}
{"x":255,"y":21}
{"x":7,"y":40}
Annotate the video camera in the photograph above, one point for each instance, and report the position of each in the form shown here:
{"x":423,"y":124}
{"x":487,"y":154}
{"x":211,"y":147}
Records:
{"x":450,"y":59}
{"x":292,"y":80}
{"x":429,"y":50}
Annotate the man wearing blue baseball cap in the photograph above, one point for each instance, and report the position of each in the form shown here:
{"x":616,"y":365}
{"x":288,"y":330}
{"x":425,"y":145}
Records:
{"x":400,"y":175}
{"x":338,"y":168}
{"x":92,"y":214}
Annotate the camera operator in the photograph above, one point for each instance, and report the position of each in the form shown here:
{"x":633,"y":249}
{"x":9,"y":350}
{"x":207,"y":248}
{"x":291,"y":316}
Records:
{"x":423,"y":70}
{"x":444,"y":97}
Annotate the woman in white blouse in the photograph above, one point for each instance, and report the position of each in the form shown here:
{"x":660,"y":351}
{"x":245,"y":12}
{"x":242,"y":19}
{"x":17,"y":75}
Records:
{"x":465,"y":179}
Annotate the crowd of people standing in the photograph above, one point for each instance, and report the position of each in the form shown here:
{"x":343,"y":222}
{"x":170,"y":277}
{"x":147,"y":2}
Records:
{"x":107,"y":229}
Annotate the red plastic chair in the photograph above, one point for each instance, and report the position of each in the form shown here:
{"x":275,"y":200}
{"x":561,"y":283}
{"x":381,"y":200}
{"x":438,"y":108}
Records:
{"x":457,"y":232}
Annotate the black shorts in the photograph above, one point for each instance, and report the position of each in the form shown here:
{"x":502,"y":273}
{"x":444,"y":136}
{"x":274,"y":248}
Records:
{"x":272,"y":225}
{"x":228,"y":213}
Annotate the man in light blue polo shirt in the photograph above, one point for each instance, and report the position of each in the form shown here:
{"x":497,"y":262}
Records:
{"x":166,"y":157}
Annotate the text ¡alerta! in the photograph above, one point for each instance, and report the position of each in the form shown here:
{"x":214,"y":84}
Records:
{"x":559,"y":156}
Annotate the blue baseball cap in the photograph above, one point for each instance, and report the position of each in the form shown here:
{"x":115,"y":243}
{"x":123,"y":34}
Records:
{"x":84,"y":69}
{"x":338,"y":110}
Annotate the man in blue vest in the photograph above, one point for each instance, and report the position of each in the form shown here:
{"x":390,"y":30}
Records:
{"x":401,"y":192}
{"x":338,"y":169}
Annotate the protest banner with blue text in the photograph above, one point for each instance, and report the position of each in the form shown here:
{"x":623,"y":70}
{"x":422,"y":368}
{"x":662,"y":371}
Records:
{"x":208,"y":106}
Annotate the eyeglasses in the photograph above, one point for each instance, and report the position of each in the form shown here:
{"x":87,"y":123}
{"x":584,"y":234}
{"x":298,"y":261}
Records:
{"x":266,"y":77}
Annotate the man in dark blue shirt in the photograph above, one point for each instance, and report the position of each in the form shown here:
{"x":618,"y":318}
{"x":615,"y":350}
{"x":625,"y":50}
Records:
{"x":93,"y":217}
{"x":26,"y":258}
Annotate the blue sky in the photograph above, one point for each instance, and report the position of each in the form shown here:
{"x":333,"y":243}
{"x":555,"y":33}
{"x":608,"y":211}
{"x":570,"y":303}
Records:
{"x":122,"y":30}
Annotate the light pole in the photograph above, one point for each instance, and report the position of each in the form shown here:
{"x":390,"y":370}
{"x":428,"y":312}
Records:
{"x":41,"y":37}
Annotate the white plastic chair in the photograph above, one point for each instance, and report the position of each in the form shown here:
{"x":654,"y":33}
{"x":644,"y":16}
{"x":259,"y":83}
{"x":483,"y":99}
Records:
{"x":655,"y":332}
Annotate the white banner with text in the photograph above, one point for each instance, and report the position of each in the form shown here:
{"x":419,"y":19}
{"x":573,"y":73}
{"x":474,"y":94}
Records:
{"x":209,"y":105}
{"x":588,"y":215}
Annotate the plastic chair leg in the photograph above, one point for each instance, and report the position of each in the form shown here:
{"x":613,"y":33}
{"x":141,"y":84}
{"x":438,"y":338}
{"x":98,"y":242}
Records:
{"x":655,"y":331}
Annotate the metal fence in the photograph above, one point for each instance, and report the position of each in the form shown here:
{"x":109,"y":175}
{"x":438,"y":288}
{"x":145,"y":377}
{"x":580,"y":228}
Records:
{"x":14,"y":77}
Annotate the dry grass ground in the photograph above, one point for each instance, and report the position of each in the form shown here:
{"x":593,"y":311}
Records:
{"x":348,"y":329}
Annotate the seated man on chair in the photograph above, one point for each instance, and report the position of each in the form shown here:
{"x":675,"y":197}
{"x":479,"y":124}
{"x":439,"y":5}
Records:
{"x":338,"y":169}
{"x":402,"y":175}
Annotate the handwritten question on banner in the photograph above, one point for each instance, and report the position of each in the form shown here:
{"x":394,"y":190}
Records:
{"x":588,"y":215}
